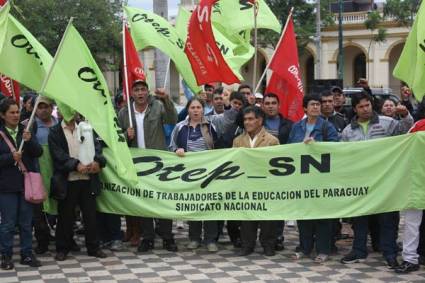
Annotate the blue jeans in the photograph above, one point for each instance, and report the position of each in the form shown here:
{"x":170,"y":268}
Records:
{"x":387,"y":234}
{"x":15,"y":210}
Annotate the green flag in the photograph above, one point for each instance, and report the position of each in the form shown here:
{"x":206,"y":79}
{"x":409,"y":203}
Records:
{"x":151,"y":30}
{"x":77,"y":81}
{"x":238,"y":16}
{"x":410,"y":67}
{"x":235,"y":49}
{"x":4,"y":13}
{"x":20,"y":48}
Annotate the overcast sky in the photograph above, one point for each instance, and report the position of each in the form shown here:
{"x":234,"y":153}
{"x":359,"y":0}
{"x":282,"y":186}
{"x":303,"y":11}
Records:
{"x":147,"y":4}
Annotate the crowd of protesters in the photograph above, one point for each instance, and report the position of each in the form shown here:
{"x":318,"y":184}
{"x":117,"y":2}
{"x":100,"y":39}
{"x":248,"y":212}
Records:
{"x":213,"y":119}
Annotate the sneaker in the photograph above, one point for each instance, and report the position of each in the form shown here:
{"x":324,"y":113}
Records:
{"x":180,"y":224}
{"x":212,"y":247}
{"x":352,"y":258}
{"x":30,"y":260}
{"x":299,"y":256}
{"x":193,"y":245}
{"x":116,"y":246}
{"x":169,"y":245}
{"x":392,"y":263}
{"x":6,"y":262}
{"x":145,"y":246}
{"x":406,"y":267}
{"x":321,"y":258}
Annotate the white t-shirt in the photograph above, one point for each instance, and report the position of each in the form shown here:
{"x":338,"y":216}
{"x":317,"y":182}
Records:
{"x":140,"y":117}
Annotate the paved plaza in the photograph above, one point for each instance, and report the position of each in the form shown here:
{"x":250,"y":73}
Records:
{"x":204,"y":267}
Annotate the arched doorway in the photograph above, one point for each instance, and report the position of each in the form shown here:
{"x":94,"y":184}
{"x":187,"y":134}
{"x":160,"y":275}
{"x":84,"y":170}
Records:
{"x":247,"y":70}
{"x":393,"y":57}
{"x":359,"y":67}
{"x":355,"y":67}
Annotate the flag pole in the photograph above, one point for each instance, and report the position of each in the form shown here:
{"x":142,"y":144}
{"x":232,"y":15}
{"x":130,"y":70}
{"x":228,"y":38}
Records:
{"x":127,"y":91}
{"x":167,"y":73}
{"x":254,"y":72}
{"x":12,"y":83}
{"x":278,"y":43}
{"x":46,"y":79}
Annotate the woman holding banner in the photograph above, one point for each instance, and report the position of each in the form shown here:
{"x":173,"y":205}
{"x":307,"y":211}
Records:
{"x":310,"y":129}
{"x":195,"y":133}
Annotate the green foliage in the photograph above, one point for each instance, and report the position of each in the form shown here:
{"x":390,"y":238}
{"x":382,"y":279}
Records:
{"x":98,"y":21}
{"x":373,"y":22}
{"x":381,"y":36}
{"x":304,"y":20}
{"x":403,"y":11}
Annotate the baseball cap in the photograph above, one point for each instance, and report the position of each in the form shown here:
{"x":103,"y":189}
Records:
{"x":142,"y":82}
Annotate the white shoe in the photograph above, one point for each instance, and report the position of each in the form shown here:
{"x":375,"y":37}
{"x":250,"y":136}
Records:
{"x":212,"y":247}
{"x":116,"y":246}
{"x":179,"y":224}
{"x":193,"y":245}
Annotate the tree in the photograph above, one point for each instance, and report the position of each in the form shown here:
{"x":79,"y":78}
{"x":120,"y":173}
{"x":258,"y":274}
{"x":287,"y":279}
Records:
{"x":373,"y":22}
{"x":403,"y":11}
{"x":304,"y":20}
{"x":98,"y":21}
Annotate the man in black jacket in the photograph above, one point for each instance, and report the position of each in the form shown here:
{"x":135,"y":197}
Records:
{"x":279,"y":127}
{"x":328,"y":112}
{"x":82,"y":185}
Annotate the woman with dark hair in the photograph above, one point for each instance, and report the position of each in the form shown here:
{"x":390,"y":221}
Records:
{"x":14,"y":209}
{"x":193,"y":134}
{"x":27,"y":106}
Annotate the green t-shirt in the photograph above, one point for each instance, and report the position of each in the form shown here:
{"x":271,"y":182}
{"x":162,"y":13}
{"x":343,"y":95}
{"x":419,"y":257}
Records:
{"x":365,"y":126}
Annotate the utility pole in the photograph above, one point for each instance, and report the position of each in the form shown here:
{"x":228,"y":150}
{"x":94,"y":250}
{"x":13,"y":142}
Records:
{"x":340,"y":43}
{"x":160,"y":7}
{"x":318,"y":41}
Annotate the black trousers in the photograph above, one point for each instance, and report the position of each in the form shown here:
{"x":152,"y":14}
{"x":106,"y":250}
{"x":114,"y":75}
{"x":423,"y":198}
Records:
{"x":78,"y":194}
{"x":41,"y":228}
{"x":249,"y":230}
{"x":165,"y":229}
{"x":234,"y":230}
{"x":319,"y":231}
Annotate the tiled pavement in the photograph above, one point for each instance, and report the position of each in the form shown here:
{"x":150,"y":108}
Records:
{"x":203,"y":267}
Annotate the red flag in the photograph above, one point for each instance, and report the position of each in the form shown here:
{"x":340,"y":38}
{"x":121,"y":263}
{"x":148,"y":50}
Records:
{"x":134,"y":66}
{"x":9,"y":87}
{"x":286,"y":78}
{"x":207,"y":62}
{"x":2,"y":2}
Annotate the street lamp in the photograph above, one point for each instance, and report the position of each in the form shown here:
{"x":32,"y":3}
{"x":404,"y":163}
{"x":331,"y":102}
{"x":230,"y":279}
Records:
{"x":340,"y":41}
